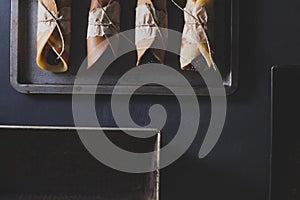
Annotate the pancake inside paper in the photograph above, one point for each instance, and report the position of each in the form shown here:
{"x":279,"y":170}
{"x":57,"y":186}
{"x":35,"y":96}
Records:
{"x":104,"y":22}
{"x":195,"y":41}
{"x":53,"y":35}
{"x":151,"y":17}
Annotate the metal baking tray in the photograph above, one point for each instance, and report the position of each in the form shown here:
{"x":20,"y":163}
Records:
{"x":52,"y":163}
{"x":26,"y":77}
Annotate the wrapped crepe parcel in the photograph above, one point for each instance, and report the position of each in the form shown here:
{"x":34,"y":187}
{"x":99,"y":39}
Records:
{"x":104,"y":22}
{"x":151,"y":16}
{"x":195,"y":40}
{"x":53,"y":35}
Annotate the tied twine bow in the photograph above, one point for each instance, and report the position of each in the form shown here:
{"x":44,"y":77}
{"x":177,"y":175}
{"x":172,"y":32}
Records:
{"x":198,"y":21}
{"x":110,"y":22}
{"x":56,"y":19}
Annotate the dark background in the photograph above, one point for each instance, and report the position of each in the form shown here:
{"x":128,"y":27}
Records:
{"x":238,"y":167}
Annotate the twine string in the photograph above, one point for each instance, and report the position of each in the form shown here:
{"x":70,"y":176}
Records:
{"x":112,"y":23}
{"x":56,"y":20}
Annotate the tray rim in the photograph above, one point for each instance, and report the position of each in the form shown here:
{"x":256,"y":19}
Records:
{"x":121,"y":90}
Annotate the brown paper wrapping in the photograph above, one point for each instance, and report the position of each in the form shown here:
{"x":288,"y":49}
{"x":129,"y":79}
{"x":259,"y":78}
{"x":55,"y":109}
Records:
{"x":53,"y":35}
{"x":195,"y":41}
{"x":150,"y":18}
{"x":104,"y":22}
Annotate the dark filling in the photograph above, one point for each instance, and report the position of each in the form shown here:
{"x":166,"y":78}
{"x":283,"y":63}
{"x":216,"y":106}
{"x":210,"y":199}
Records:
{"x":148,"y":57}
{"x":52,"y":57}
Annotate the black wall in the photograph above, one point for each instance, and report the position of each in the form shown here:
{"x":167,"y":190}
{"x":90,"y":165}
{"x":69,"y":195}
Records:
{"x":238,"y":167}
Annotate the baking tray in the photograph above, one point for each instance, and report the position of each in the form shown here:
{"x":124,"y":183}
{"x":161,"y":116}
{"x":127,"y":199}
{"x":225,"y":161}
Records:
{"x":26,"y":77}
{"x":51,"y":163}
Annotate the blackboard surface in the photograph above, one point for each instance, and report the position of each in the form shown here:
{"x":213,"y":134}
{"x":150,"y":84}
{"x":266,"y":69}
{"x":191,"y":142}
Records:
{"x":238,"y":167}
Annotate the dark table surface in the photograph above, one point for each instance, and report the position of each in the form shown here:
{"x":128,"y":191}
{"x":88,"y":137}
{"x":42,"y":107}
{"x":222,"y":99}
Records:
{"x":238,"y":167}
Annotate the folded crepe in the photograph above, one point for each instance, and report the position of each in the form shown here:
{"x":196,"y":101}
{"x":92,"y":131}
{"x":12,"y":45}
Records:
{"x":195,"y":40}
{"x":151,"y":16}
{"x":104,"y":22}
{"x":53,"y":35}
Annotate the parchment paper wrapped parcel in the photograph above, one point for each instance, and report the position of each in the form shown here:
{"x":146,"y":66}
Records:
{"x":53,"y":35}
{"x":195,"y":41}
{"x":104,"y":22}
{"x":150,"y":18}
